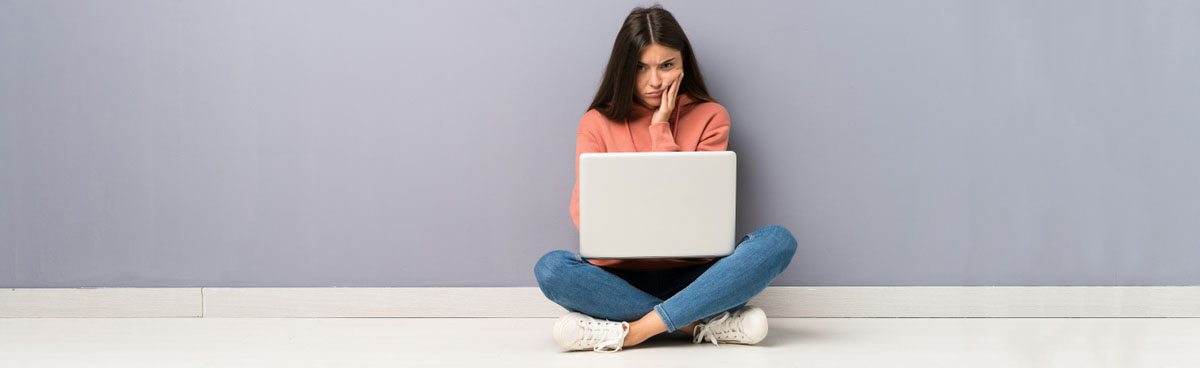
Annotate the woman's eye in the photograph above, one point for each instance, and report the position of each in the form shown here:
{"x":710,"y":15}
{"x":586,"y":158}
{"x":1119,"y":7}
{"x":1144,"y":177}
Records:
{"x":640,"y":67}
{"x":667,"y":65}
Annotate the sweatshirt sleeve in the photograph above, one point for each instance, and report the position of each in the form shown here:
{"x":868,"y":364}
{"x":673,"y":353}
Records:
{"x":716,"y":134}
{"x":661,"y":138}
{"x":585,"y":141}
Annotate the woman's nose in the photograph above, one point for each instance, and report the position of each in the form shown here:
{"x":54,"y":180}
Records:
{"x":655,"y":79}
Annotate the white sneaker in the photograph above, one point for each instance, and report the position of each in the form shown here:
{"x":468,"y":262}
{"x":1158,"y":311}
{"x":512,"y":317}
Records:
{"x":578,"y":331}
{"x":747,"y":325}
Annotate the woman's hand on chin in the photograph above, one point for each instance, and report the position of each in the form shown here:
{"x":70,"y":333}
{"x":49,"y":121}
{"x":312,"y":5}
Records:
{"x":668,"y":102}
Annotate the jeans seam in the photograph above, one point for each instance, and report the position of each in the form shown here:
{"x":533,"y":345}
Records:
{"x":666,"y":319}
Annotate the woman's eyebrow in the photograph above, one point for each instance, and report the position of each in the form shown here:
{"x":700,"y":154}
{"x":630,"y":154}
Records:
{"x":664,"y":61}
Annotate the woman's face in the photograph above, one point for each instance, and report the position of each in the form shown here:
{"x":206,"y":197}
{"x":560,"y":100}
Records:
{"x":657,"y":68}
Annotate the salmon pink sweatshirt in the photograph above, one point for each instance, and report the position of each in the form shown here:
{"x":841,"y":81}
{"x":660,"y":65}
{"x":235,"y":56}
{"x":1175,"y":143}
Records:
{"x":696,"y":126}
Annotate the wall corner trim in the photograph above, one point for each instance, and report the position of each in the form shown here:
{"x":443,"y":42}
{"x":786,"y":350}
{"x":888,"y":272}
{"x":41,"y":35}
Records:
{"x":500,"y":302}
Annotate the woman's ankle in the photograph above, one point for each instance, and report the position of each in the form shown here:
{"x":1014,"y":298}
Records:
{"x":690,"y":329}
{"x":644,"y":328}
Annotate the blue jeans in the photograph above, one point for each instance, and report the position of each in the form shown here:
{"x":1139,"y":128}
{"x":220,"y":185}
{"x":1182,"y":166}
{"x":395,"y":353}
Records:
{"x":680,"y":295}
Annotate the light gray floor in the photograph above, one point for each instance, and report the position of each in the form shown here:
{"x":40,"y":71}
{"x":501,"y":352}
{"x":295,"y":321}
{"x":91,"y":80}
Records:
{"x":525,"y":342}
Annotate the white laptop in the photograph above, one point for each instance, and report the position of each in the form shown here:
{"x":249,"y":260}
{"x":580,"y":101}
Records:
{"x":657,"y":204}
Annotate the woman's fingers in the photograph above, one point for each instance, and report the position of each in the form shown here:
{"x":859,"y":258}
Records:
{"x":671,"y":92}
{"x":666,"y":97}
{"x":670,"y":95}
{"x":666,"y":102}
{"x":675,"y":90}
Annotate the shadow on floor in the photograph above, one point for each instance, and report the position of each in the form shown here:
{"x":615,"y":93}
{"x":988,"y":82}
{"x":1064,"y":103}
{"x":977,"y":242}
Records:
{"x":777,"y":336}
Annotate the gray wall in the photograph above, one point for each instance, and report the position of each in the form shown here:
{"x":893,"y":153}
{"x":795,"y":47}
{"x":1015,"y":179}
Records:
{"x":381,"y":143}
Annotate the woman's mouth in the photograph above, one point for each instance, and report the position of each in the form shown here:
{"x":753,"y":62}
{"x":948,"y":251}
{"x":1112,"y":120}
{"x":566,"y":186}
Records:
{"x":655,"y":93}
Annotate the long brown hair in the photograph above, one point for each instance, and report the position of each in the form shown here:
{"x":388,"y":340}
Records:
{"x":643,"y":27}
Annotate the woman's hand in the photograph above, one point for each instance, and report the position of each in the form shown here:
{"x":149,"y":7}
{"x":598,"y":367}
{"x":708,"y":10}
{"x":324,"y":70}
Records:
{"x":668,"y":101}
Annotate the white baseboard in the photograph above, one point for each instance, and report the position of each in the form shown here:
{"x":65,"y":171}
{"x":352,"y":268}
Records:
{"x":101,"y":302}
{"x":784,"y":301}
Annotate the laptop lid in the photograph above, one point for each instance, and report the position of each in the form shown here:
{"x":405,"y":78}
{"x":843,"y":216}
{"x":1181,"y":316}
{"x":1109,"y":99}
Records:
{"x":657,"y":204}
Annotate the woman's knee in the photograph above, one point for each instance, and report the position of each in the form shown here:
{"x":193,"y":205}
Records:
{"x":550,"y":266}
{"x":780,"y":242}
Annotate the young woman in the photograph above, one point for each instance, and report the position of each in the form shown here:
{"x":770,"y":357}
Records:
{"x":653,"y":98}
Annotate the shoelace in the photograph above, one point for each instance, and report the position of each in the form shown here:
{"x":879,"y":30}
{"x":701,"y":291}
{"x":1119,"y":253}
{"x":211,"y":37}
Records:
{"x":600,"y":333}
{"x":721,"y":323}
